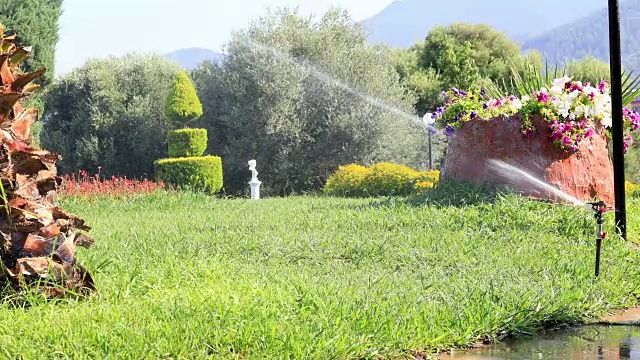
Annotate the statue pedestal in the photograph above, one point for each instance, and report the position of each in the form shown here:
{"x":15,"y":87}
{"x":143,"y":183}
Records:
{"x":255,"y":189}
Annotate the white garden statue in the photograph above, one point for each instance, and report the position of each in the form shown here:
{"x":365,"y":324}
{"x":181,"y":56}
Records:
{"x":254,"y":183}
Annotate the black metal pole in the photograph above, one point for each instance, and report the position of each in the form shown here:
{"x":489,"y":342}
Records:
{"x":599,"y":241}
{"x":616,"y":112}
{"x":430,"y":152}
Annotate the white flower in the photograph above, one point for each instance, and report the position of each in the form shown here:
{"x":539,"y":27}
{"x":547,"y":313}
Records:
{"x":526,"y":98}
{"x":564,"y":108}
{"x":517,"y":104}
{"x":556,"y":90}
{"x":589,"y":90}
{"x":606,"y":120}
{"x":561,"y":81}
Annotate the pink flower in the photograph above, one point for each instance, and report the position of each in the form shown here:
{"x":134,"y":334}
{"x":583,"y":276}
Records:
{"x":589,"y":133}
{"x":543,"y":97}
{"x":566,"y":141}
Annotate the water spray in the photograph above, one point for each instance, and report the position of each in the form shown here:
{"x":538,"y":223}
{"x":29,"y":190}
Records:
{"x":599,"y":208}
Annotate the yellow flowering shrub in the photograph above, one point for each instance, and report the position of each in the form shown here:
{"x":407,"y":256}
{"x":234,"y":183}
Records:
{"x":348,"y":180}
{"x":386,"y":179}
{"x":383,"y":179}
{"x":421,"y":187}
{"x":429,"y":176}
{"x":633,"y":190}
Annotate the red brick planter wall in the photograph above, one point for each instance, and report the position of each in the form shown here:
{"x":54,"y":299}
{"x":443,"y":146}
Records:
{"x":586,"y":175}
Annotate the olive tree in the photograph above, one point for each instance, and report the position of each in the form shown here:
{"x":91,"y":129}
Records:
{"x":303,"y":96}
{"x":109,"y":113}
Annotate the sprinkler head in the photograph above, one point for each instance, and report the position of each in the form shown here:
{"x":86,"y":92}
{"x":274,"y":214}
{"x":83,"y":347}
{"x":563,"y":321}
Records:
{"x":599,"y":207}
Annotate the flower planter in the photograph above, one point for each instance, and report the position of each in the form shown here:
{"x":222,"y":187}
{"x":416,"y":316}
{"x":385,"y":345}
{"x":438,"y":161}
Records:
{"x":586,"y":174}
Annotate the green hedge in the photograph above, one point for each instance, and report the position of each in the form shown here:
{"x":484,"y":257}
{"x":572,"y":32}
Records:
{"x":187,"y":142}
{"x":195,"y":173}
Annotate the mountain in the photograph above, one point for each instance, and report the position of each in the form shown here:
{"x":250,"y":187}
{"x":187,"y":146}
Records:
{"x":404,"y":22}
{"x":192,"y":57}
{"x":590,"y":36}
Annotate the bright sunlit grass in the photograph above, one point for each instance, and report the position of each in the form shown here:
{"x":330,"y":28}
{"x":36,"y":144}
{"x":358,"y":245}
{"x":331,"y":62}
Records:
{"x":316,"y":278}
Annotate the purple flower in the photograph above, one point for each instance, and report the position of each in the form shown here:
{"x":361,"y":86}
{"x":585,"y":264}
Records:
{"x":543,"y":97}
{"x":457,"y":117}
{"x":556,"y":135}
{"x":448,"y":130}
{"x":575,"y":87}
{"x":473,"y":114}
{"x":443,"y":95}
{"x":602,"y":86}
{"x":589,"y":133}
{"x":574,"y":147}
{"x":484,"y":106}
{"x":566,"y":141}
{"x":482,"y":92}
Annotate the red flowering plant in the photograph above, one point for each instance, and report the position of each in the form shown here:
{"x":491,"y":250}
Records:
{"x":84,"y":185}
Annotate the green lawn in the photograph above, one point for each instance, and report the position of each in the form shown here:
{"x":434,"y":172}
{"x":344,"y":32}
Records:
{"x":318,"y":278}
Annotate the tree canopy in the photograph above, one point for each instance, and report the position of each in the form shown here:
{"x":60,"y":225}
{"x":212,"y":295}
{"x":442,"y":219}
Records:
{"x":109,"y":114}
{"x":303,"y":96}
{"x":36,"y":25}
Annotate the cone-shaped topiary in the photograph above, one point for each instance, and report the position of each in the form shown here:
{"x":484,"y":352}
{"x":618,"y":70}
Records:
{"x":37,"y":239}
{"x":182,"y":105}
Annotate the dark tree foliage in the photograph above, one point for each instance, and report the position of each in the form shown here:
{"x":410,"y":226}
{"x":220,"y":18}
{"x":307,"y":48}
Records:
{"x":36,"y":24}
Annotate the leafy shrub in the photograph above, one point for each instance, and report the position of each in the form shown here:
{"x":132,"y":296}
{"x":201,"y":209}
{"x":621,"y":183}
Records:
{"x":108,"y":113}
{"x":348,"y":180}
{"x":203,"y":173}
{"x":182,"y":104}
{"x":633,"y":190}
{"x":187,"y":142}
{"x":298,"y":127}
{"x":384,"y":179}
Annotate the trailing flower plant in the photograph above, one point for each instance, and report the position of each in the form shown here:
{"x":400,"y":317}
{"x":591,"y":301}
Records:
{"x":573,"y":111}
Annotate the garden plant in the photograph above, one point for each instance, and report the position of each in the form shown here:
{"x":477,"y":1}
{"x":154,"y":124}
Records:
{"x":38,"y":239}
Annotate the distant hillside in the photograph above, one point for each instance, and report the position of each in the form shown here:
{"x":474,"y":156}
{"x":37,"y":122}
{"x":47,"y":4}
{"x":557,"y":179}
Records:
{"x":192,"y":57}
{"x":590,"y":36}
{"x":404,"y":22}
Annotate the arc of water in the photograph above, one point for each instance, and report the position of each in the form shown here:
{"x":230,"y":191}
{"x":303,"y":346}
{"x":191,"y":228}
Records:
{"x":327,"y":79}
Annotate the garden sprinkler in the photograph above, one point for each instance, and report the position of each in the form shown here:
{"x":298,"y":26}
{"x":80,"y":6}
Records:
{"x":599,"y":208}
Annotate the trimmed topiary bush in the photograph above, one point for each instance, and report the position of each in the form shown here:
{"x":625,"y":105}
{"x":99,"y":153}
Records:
{"x":182,"y":104}
{"x":187,"y":142}
{"x":203,"y":173}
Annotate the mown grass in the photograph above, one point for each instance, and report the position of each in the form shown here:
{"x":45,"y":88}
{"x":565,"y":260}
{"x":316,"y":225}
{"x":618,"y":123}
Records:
{"x":186,"y":276}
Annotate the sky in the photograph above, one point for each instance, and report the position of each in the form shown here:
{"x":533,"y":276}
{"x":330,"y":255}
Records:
{"x":99,"y":28}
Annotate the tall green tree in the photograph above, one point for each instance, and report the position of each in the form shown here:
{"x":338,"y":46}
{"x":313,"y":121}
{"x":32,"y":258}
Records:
{"x":36,"y":25}
{"x":460,"y":55}
{"x":303,"y":96}
{"x":109,"y":113}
